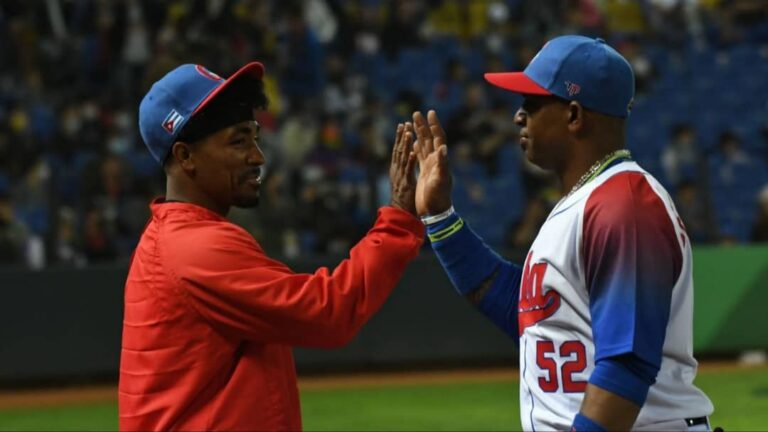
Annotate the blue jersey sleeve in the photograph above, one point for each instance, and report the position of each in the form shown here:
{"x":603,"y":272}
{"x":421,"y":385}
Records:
{"x":632,"y":260}
{"x":626,"y":375}
{"x":499,"y":304}
{"x":469,"y":262}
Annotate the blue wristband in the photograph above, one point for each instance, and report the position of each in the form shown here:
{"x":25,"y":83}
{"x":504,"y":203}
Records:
{"x":464,"y":256}
{"x":584,"y":423}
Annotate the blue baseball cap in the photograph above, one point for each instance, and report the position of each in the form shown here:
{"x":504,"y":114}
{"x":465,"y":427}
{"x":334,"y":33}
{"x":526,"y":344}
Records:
{"x":179,"y":95}
{"x":576,"y":68}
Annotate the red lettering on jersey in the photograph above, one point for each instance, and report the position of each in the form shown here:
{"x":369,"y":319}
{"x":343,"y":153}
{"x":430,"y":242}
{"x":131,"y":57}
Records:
{"x":535,"y":305}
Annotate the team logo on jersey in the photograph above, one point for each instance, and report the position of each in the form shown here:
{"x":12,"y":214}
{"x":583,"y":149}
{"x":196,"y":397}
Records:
{"x":172,"y":121}
{"x":534,"y":304}
{"x":208,"y":74}
{"x":573,"y":88}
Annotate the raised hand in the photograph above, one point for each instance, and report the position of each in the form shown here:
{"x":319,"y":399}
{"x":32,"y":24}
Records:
{"x":402,"y":178}
{"x":433,"y":188}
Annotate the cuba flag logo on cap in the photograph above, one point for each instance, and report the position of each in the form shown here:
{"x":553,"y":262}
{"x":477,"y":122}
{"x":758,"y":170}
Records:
{"x":172,"y":121}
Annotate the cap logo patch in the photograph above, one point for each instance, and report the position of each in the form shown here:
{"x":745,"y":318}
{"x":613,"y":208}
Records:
{"x":208,"y":74}
{"x":573,"y":88}
{"x":172,"y":121}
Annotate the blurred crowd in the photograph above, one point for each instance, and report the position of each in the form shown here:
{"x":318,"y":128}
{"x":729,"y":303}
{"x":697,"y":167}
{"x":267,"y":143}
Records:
{"x":76,"y":179}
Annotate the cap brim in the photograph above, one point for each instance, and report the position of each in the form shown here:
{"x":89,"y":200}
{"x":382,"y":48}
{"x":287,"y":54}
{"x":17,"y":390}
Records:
{"x":516,"y":82}
{"x":254,"y":70}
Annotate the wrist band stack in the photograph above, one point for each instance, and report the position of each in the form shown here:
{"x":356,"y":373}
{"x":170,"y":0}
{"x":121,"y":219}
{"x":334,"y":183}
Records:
{"x":446,"y":232}
{"x":433,"y":219}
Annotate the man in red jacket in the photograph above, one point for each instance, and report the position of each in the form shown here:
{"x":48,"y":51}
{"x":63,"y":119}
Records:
{"x":210,"y":319}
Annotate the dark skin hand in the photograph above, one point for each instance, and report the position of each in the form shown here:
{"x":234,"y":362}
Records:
{"x":401,"y":170}
{"x":433,"y":191}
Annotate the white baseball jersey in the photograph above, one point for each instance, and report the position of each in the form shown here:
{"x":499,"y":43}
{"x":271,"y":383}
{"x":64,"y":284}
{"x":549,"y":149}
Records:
{"x":609,"y":273}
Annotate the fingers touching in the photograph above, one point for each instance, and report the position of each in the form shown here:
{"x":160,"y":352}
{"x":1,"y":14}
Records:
{"x":402,"y":152}
{"x":417,"y":140}
{"x":436,"y":129}
{"x":407,"y":150}
{"x":423,"y":134}
{"x":429,"y":132}
{"x":398,"y":143}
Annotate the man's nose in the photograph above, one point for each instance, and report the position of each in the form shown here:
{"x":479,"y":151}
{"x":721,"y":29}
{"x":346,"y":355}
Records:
{"x":256,"y":156}
{"x":520,"y":117}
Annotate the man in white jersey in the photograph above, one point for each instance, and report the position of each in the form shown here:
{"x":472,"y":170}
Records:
{"x":603,"y":305}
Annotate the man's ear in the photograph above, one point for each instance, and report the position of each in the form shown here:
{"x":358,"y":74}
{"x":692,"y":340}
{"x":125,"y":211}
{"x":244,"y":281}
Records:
{"x":575,"y":116}
{"x":181,"y":152}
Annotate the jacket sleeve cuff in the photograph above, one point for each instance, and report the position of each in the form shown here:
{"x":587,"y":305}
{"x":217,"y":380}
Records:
{"x":401,"y":218}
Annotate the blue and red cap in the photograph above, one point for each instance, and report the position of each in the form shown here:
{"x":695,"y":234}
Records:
{"x":179,"y":95}
{"x":576,"y":68}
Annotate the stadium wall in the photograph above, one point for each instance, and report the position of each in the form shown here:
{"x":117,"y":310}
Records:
{"x":65,"y":324}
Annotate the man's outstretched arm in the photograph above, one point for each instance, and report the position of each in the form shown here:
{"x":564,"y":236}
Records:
{"x":478,"y":273}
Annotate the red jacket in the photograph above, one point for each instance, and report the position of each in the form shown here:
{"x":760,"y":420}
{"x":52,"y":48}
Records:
{"x":210,"y":319}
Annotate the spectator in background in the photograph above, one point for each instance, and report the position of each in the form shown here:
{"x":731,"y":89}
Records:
{"x":681,"y":158}
{"x":541,"y":188}
{"x":644,"y":70}
{"x":402,"y":27}
{"x":668,"y":21}
{"x":67,"y":248}
{"x":494,"y":133}
{"x":98,"y":240}
{"x":729,"y":157}
{"x":70,"y":71}
{"x":735,"y":181}
{"x":760,"y":228}
{"x":586,"y":18}
{"x":624,"y":18}
{"x":694,"y":209}
{"x":13,"y":234}
{"x":470,"y":115}
{"x":740,"y":21}
{"x":522,"y":234}
{"x":447,"y":94}
{"x":298,"y":136}
{"x":301,"y":57}
{"x":121,"y":211}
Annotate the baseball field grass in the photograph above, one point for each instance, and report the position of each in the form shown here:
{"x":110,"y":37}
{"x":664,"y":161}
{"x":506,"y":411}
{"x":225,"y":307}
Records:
{"x":413,"y":402}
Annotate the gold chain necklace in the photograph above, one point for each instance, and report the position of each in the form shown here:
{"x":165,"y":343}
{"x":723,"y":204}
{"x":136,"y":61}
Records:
{"x":598,"y":167}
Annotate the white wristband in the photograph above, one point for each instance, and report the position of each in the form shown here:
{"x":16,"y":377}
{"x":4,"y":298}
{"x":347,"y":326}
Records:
{"x":433,"y":219}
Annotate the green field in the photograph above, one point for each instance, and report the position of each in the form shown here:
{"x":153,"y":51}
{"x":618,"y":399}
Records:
{"x":740,"y":397}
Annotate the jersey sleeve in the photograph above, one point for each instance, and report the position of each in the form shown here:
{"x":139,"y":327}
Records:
{"x":500,"y":303}
{"x":224,"y":275}
{"x":469,"y":262}
{"x":632,"y":260}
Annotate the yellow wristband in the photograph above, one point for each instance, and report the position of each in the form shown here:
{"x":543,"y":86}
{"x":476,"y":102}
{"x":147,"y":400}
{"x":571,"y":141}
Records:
{"x":447,"y":232}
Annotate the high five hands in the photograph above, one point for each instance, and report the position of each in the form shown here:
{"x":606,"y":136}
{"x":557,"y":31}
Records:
{"x":402,"y":180}
{"x":433,"y":188}
{"x":430,"y":194}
